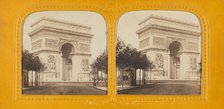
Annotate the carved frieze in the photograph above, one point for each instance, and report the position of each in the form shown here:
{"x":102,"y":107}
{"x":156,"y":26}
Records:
{"x":192,"y":46}
{"x":180,"y":40}
{"x":144,"y":43}
{"x":51,"y":43}
{"x":51,"y":63}
{"x":159,"y":61}
{"x":145,"y":33}
{"x":75,"y":43}
{"x":85,"y":64}
{"x":84,"y":47}
{"x":193,"y":63}
{"x":37,"y":44}
{"x":159,"y":42}
{"x":63,"y":41}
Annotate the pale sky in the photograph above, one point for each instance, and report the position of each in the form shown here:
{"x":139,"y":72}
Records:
{"x":92,"y":19}
{"x":128,"y":23}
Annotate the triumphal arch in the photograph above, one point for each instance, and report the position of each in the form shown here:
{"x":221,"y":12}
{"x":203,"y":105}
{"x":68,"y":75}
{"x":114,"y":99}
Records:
{"x":172,"y":45}
{"x":64,"y":48}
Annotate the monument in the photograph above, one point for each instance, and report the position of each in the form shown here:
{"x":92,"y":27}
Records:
{"x":64,"y":48}
{"x":172,"y":45}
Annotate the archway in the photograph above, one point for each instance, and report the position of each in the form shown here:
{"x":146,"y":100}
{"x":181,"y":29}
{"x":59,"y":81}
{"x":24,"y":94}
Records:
{"x":66,"y":50}
{"x":175,"y":48}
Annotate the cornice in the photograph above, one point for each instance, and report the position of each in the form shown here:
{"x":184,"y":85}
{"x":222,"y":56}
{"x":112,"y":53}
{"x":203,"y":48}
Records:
{"x":190,"y":52}
{"x":86,"y":54}
{"x":166,"y":50}
{"x":158,"y":49}
{"x":60,"y":21}
{"x":56,"y":51}
{"x":59,"y":30}
{"x":165,"y":28}
{"x":167,"y":19}
{"x":38,"y":51}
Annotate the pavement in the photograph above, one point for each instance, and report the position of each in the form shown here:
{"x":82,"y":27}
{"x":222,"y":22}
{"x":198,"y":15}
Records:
{"x":63,"y":90}
{"x":119,"y":88}
{"x":101,"y":88}
{"x":166,"y":88}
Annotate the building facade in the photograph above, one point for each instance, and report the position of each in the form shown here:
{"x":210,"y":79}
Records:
{"x":172,"y":45}
{"x":64,"y":48}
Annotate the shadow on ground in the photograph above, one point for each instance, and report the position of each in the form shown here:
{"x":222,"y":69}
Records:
{"x":192,"y":88}
{"x":64,"y":90}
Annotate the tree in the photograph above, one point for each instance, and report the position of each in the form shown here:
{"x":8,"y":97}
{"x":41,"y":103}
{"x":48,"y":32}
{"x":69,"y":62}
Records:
{"x":37,"y":66}
{"x":26,"y":60}
{"x":100,"y":65}
{"x":129,"y":59}
{"x":119,"y":47}
{"x":31,"y":63}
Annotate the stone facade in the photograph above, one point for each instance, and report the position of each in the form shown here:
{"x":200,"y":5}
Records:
{"x":172,"y":45}
{"x":64,"y":48}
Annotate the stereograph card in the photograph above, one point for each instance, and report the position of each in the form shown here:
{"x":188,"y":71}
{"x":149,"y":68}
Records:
{"x":123,"y":54}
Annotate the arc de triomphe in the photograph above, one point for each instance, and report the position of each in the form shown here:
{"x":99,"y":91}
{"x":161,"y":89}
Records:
{"x":64,"y":48}
{"x":173,"y":47}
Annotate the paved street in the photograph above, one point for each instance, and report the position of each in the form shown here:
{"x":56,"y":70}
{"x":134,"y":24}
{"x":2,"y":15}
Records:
{"x":65,"y":90}
{"x":169,"y":88}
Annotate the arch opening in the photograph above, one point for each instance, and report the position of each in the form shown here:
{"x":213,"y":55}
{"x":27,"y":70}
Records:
{"x":174,"y":49}
{"x":66,"y":51}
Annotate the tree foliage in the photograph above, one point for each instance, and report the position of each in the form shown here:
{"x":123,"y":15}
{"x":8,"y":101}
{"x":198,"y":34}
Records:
{"x":101,"y":63}
{"x":128,"y":58}
{"x":31,"y":62}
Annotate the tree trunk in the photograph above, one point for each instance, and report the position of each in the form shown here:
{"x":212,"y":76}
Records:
{"x":36,"y":78}
{"x":150,"y":76}
{"x":39,"y":79}
{"x":24,"y":78}
{"x":143,"y":77}
{"x":97,"y":79}
{"x":132,"y":78}
{"x":135,"y":76}
{"x":104,"y":82}
{"x":31,"y":78}
{"x":43,"y":79}
{"x":27,"y":78}
{"x":122,"y":79}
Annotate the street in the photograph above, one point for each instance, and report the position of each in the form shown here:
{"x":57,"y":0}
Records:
{"x":64,"y":90}
{"x":169,"y":88}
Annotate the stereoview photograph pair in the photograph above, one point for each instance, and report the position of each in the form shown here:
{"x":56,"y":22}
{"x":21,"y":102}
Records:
{"x":66,"y":53}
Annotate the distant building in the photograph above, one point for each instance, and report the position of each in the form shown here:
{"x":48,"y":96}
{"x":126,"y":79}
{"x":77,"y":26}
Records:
{"x":64,"y":48}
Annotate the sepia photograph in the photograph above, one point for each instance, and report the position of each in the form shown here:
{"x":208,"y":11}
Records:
{"x":64,"y":53}
{"x":158,"y":53}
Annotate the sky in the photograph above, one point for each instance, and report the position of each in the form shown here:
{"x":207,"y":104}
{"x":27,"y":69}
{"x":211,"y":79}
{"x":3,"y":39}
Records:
{"x":92,"y":19}
{"x":128,"y":23}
